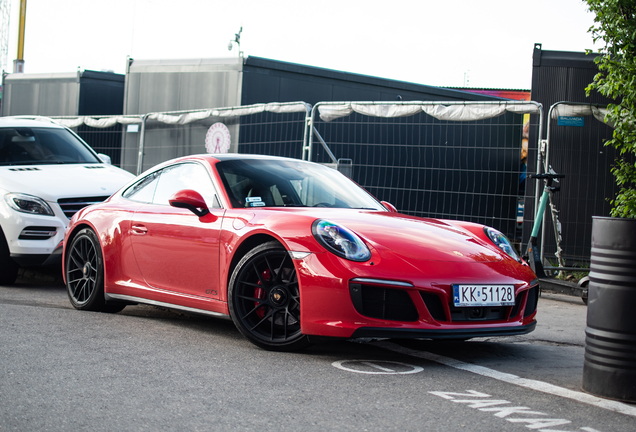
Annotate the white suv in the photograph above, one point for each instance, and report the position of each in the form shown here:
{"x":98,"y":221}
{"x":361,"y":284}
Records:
{"x":47,"y":173}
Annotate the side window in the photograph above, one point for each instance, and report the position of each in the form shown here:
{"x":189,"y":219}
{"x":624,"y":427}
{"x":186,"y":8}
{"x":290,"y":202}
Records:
{"x":144,"y":189}
{"x":238,"y":187}
{"x":185,"y":176}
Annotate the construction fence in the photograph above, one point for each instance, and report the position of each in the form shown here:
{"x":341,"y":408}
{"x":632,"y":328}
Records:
{"x":574,"y":146}
{"x":450,"y":160}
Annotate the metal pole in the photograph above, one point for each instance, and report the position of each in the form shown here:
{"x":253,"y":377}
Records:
{"x":18,"y":64}
{"x":546,"y":168}
{"x":310,"y":141}
{"x":325,"y":146}
{"x":306,"y":134}
{"x":142,"y":140}
{"x":537,"y":195}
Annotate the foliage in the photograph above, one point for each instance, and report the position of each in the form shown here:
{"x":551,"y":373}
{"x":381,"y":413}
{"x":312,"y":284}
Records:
{"x":615,"y":25}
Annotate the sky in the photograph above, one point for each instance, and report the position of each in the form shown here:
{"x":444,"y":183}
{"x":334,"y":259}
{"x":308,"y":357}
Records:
{"x":449,"y":43}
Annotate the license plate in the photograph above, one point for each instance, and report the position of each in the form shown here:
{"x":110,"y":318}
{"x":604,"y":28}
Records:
{"x":483,"y":295}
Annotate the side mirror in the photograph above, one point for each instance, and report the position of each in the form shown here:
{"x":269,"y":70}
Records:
{"x":104,"y":158}
{"x":390,"y":207}
{"x":191,"y":200}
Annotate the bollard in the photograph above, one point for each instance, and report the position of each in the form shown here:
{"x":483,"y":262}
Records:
{"x":609,"y":369}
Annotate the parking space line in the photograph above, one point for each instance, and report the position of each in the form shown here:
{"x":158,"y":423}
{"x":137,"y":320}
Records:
{"x":531,"y":384}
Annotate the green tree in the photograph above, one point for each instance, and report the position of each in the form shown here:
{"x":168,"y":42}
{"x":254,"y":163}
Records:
{"x":615,"y":25}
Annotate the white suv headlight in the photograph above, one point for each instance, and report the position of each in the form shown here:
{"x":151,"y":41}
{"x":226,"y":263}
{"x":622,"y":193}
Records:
{"x":28,"y":204}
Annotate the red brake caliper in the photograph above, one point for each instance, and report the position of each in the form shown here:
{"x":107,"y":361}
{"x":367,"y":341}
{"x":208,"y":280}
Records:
{"x":259,"y":293}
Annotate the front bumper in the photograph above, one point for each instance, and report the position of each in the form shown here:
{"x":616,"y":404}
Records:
{"x":407,"y":302}
{"x":27,"y":260}
{"x":33,"y":239}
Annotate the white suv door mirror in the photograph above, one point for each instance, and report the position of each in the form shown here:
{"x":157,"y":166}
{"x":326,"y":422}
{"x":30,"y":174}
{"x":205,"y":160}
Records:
{"x":104,"y":158}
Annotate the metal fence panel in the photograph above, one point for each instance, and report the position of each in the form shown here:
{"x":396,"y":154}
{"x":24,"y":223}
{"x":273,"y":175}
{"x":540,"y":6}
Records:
{"x":163,"y":141}
{"x":468,"y":170}
{"x":273,"y":134}
{"x":106,"y":141}
{"x":106,"y":134}
{"x":136,"y":143}
{"x":577,"y":150}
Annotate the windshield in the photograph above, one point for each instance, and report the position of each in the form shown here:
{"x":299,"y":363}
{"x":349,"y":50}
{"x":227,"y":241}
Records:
{"x":289,"y":183}
{"x":37,"y":146}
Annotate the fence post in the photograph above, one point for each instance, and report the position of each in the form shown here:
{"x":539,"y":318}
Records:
{"x":307,"y":135}
{"x":142,"y":140}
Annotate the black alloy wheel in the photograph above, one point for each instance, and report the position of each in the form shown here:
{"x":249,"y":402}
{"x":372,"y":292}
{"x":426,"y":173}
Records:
{"x":85,"y":274}
{"x":264,"y":299}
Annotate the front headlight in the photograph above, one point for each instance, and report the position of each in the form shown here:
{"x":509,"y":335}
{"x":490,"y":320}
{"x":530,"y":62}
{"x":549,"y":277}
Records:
{"x":340,"y":241}
{"x":28,"y":204}
{"x":502,"y":242}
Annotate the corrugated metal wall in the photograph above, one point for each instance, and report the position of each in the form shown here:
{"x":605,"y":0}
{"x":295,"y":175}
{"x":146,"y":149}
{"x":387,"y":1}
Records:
{"x":41,"y":94}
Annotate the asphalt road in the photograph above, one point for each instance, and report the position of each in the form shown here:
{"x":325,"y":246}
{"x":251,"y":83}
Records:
{"x":152,"y":369}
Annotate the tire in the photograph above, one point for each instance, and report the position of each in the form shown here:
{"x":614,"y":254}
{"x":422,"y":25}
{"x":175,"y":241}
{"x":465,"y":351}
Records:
{"x":264,"y":299}
{"x":8,"y":267}
{"x":85,"y":274}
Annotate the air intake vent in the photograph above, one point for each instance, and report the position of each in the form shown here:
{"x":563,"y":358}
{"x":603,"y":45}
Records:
{"x":434,"y":305}
{"x":515,"y":308}
{"x":533,"y":299}
{"x":94,"y":166}
{"x":383,"y":303}
{"x":37,"y":233}
{"x":70,"y":206}
{"x":25,"y":169}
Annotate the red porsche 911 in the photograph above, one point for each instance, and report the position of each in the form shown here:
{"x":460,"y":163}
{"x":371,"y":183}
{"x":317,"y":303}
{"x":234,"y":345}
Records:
{"x":291,"y":250}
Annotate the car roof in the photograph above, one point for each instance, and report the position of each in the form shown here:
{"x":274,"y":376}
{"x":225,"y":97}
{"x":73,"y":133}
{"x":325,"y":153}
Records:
{"x":243,"y":156}
{"x":29,"y":121}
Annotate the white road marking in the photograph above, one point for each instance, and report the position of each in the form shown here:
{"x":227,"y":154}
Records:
{"x":407,"y":368}
{"x":383,"y":369}
{"x":540,"y":423}
{"x":486,"y":405}
{"x":531,"y":384}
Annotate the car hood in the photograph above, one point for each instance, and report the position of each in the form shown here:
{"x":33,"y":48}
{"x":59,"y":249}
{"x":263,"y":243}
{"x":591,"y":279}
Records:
{"x":51,"y":182}
{"x":417,"y":239}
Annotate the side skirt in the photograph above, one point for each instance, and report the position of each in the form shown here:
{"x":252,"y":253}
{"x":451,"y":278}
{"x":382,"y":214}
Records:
{"x":126,"y":298}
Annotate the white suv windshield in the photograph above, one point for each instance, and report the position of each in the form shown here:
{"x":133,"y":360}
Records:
{"x":36,"y":146}
{"x":288,"y":183}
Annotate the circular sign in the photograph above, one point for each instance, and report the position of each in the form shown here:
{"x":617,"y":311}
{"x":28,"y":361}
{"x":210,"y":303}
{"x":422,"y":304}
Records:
{"x":376,"y":367}
{"x":218,"y":140}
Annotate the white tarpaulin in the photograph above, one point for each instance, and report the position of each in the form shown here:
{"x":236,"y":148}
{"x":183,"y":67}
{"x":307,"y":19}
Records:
{"x":279,"y":108}
{"x":102,"y":122}
{"x":186,"y":117}
{"x":440,"y":110}
{"x":385,"y":110}
{"x":189,"y":117}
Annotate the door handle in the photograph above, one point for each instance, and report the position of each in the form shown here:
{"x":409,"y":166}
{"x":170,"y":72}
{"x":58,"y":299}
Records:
{"x":139,"y":229}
